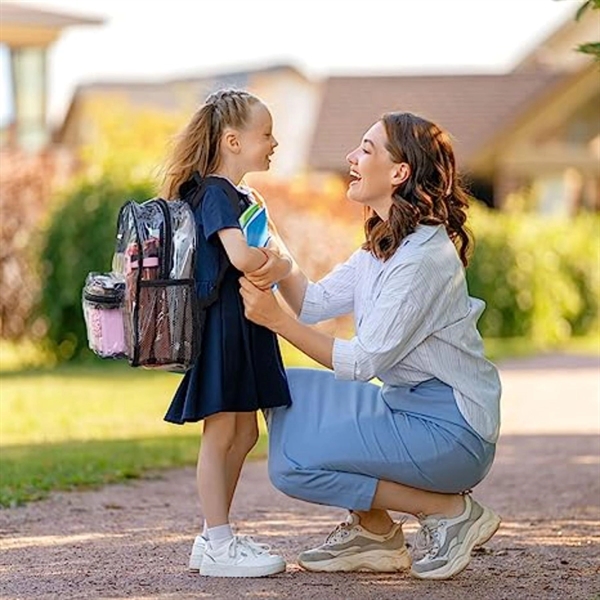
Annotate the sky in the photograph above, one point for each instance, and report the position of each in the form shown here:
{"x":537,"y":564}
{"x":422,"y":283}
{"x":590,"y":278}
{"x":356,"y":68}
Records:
{"x":157,"y":39}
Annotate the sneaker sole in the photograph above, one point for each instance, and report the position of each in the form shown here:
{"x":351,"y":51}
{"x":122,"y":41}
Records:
{"x":194,"y":567}
{"x":210,"y":570}
{"x":195,"y":563}
{"x":482,"y":531}
{"x":379,"y":561}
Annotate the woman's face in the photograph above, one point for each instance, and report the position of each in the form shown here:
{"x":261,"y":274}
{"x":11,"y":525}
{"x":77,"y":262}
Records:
{"x":374,"y":175}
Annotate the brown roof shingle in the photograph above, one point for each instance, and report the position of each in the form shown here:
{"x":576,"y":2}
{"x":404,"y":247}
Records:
{"x":472,"y":108}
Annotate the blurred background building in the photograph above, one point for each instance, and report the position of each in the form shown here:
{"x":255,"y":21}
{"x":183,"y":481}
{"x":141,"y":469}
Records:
{"x":527,"y":140}
{"x":534,"y":130}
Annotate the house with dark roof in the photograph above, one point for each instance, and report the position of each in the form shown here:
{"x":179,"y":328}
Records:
{"x":533,"y":133}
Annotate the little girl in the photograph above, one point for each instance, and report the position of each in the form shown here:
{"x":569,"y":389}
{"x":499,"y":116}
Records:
{"x":239,"y":369}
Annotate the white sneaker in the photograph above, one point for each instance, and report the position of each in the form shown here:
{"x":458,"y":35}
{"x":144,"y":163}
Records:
{"x":242,"y":557}
{"x":199,"y":547}
{"x":198,"y":550}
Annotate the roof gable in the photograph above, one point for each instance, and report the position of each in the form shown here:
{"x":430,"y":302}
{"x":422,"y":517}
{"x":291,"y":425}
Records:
{"x":472,"y":108}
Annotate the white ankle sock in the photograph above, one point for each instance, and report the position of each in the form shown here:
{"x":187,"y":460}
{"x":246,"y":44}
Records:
{"x":220,"y":535}
{"x":204,"y":533}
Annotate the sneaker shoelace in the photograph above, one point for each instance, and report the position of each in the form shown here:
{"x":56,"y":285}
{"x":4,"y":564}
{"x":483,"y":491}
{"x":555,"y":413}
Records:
{"x":339,"y":534}
{"x":427,"y":540}
{"x":241,"y":544}
{"x":257,"y":547}
{"x":342,"y":531}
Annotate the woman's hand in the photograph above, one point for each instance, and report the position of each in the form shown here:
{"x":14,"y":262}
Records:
{"x":275,"y":269}
{"x":260,"y":306}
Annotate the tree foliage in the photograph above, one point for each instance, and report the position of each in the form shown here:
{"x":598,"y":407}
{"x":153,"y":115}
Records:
{"x":591,"y":48}
{"x":79,"y":239}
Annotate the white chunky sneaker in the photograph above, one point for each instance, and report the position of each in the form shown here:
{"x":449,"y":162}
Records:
{"x":197,"y":553}
{"x":242,"y":557}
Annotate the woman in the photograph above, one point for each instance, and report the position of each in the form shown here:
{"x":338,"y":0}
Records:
{"x":418,"y":443}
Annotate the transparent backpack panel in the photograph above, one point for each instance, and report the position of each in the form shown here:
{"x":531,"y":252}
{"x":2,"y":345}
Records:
{"x":156,"y":243}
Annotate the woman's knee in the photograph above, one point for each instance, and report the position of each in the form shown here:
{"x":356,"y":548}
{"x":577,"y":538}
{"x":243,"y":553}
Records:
{"x":295,"y":482}
{"x":285,"y":478}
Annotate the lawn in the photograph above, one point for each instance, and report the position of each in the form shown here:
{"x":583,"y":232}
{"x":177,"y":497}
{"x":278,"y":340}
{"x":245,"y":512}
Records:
{"x":85,"y":425}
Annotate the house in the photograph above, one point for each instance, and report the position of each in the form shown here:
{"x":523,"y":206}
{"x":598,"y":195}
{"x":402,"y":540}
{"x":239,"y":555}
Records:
{"x":531,"y":135}
{"x":533,"y":132}
{"x":292,"y":98}
{"x":30,"y":167}
{"x":28,"y":33}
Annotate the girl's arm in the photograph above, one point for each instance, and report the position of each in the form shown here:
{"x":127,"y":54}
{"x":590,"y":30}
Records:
{"x":243,"y":257}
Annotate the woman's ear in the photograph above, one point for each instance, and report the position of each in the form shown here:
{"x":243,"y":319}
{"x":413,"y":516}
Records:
{"x":400,"y":173}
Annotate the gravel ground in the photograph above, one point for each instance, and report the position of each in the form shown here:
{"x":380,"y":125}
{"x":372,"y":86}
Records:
{"x":132,"y":540}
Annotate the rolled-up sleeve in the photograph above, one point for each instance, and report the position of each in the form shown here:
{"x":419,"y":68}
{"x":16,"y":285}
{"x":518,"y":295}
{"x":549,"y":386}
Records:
{"x":400,"y":319}
{"x":333,"y":295}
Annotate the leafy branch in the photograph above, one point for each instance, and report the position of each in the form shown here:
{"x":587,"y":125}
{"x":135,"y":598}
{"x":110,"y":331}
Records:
{"x":592,"y":48}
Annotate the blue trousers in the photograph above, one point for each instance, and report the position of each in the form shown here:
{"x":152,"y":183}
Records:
{"x":339,"y":438}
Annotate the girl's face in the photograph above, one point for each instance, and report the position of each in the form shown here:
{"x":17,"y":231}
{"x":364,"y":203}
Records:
{"x":374,"y":175}
{"x":257,"y":143}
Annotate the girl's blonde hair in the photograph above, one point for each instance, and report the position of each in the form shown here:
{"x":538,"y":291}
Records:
{"x":196,"y":148}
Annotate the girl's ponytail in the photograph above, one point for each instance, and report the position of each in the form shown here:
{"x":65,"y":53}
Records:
{"x":196,"y":148}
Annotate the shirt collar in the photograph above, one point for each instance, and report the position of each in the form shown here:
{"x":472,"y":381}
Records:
{"x":240,"y":188}
{"x":421,"y":234}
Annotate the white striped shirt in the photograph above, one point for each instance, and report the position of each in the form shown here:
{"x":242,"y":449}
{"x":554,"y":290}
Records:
{"x":414,"y":320}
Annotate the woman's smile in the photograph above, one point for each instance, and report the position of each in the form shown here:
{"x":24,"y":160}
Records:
{"x":356,"y":178}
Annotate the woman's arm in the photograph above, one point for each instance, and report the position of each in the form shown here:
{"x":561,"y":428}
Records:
{"x":293,"y":287}
{"x":330,"y":297}
{"x":403,"y":315}
{"x":262,"y":308}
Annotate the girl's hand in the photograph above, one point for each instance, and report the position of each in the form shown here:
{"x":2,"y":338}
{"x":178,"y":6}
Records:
{"x":260,"y":306}
{"x":275,"y":269}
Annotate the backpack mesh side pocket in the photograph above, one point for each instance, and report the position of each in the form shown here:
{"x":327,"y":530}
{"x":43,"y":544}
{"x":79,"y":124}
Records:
{"x":165,"y":325}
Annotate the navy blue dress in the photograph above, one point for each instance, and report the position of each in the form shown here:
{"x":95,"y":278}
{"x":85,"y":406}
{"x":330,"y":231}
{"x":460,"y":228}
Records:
{"x":240,"y":367}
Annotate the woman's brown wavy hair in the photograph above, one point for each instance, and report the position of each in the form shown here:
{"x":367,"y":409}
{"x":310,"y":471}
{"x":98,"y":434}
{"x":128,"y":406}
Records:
{"x":196,"y":148}
{"x":432,"y":194}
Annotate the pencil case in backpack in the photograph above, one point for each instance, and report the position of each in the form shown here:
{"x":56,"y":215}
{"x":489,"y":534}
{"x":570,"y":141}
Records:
{"x":103,"y":302}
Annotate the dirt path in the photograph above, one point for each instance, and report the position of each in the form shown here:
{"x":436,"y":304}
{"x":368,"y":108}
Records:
{"x":132,"y":541}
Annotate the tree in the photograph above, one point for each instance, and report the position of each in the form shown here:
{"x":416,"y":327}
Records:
{"x":592,"y":48}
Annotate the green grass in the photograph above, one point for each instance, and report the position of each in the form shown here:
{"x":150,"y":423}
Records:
{"x":498,"y":349}
{"x":77,"y":426}
{"x":30,"y":471}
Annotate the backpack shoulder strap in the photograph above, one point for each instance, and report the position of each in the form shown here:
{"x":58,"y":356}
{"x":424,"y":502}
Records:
{"x":193,"y":191}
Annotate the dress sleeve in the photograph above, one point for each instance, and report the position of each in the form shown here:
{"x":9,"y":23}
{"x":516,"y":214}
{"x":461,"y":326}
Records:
{"x":333,"y":295}
{"x":217,"y":212}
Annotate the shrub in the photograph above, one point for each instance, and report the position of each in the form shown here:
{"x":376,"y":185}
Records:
{"x":538,"y":275}
{"x":80,"y":238}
